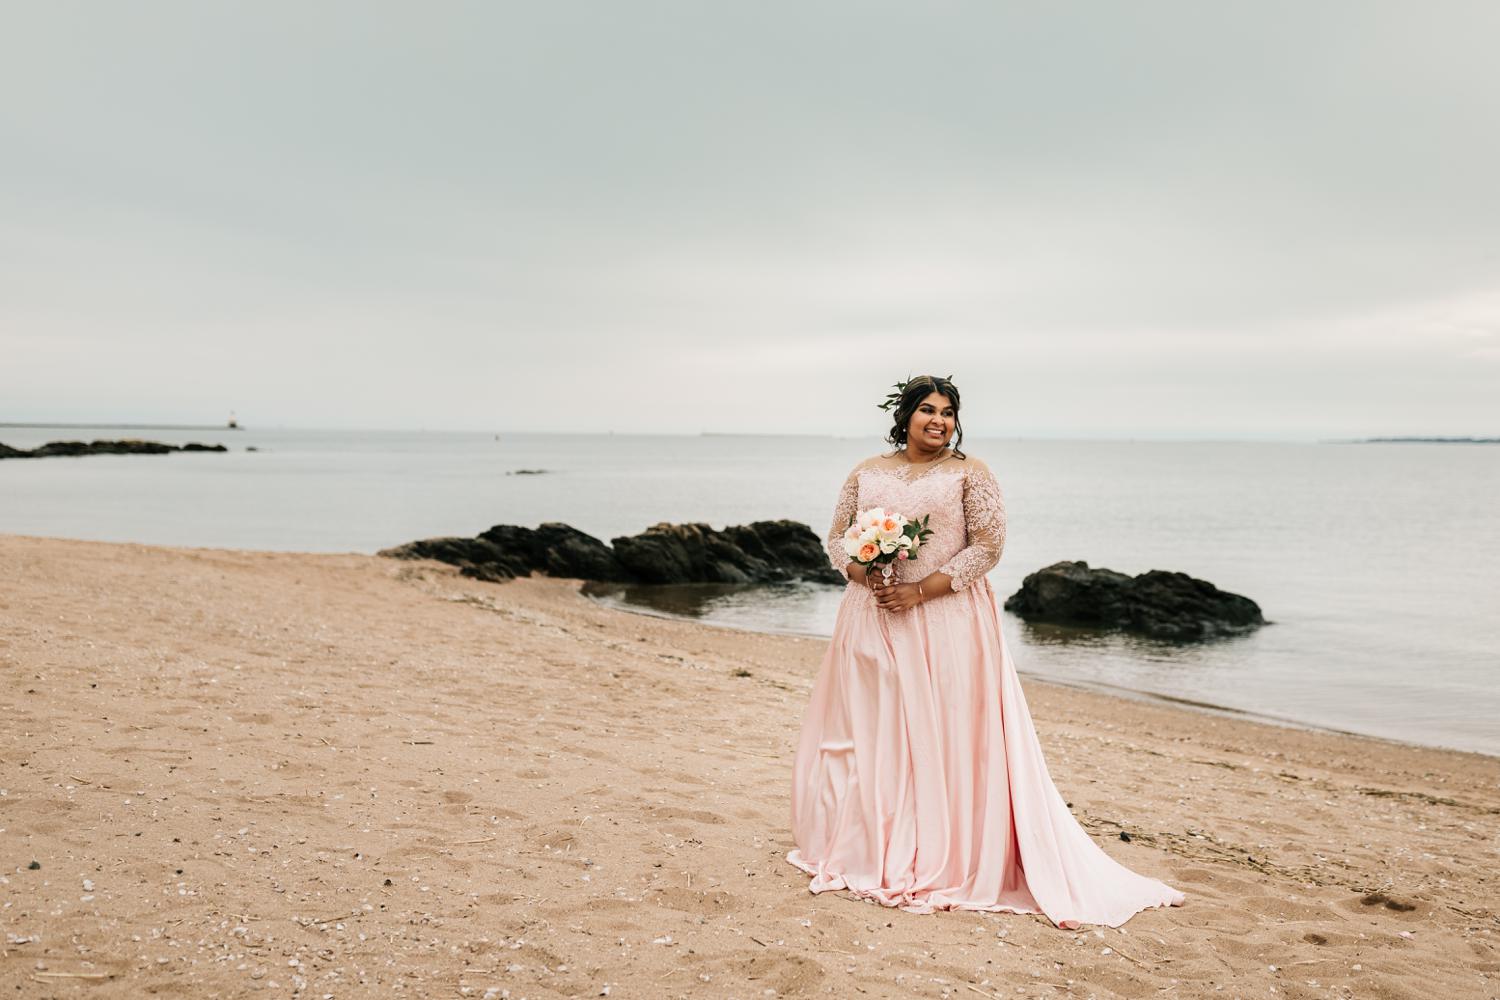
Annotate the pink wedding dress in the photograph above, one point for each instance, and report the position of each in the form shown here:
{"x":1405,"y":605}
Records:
{"x":919,"y":781}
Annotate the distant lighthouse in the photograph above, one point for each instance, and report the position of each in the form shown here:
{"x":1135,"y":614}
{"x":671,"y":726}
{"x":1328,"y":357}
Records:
{"x":234,"y":424}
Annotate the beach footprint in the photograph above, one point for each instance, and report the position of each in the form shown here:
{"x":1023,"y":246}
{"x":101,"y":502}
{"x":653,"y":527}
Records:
{"x":1381,"y":902}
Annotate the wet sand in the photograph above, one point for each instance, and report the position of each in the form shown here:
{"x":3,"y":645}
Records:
{"x":248,"y":773}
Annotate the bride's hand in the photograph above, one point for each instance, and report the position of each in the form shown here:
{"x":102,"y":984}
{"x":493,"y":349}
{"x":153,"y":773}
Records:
{"x":898,"y":597}
{"x":868,"y":576}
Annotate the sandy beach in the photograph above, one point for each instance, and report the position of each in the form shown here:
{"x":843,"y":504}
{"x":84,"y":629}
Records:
{"x":241,"y":773}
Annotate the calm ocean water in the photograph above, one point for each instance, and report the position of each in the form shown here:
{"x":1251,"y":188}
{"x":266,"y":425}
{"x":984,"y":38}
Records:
{"x":1377,"y":562}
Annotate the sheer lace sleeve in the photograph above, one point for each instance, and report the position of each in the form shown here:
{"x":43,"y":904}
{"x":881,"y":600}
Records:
{"x":984,"y":519}
{"x":843,"y":512}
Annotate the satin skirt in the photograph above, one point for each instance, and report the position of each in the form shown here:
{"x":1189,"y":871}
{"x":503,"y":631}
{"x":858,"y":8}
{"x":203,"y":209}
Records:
{"x":919,"y":781}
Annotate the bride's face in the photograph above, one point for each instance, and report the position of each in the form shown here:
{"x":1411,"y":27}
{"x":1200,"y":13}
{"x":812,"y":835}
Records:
{"x":932,"y":423}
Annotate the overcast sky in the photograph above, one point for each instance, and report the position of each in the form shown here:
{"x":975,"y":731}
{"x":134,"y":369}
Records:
{"x":1155,"y":219}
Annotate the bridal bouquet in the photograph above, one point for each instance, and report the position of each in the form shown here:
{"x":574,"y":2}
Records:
{"x":877,"y":537}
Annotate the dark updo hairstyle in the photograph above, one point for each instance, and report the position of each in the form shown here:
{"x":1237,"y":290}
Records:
{"x":916,"y":390}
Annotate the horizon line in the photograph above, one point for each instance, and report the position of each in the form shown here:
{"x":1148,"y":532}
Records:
{"x":1238,"y":437}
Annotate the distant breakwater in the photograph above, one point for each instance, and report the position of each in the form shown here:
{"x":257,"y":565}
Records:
{"x":74,"y":449}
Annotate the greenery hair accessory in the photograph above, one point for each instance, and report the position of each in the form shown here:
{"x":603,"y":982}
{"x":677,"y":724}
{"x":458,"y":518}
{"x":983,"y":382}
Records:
{"x":900,"y":387}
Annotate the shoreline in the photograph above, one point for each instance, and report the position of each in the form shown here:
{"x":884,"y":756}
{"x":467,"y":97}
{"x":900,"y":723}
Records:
{"x":345,"y":774}
{"x":1096,"y":687}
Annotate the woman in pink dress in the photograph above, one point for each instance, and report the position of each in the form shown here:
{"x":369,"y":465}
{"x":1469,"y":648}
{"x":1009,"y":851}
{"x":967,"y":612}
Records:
{"x":919,"y":781}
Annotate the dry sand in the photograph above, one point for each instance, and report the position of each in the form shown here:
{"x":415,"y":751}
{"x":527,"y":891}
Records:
{"x":255,"y":773}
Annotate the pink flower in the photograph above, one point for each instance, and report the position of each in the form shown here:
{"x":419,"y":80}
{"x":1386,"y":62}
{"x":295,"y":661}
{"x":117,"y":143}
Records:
{"x":901,"y":554}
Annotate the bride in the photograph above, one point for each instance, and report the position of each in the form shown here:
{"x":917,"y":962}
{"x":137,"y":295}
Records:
{"x":919,"y":781}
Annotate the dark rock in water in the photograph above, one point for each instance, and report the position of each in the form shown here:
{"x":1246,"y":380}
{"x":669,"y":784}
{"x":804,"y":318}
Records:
{"x":507,"y":551}
{"x":762,"y":552}
{"x":473,"y":556}
{"x":557,"y":549}
{"x":1157,"y":603}
{"x":527,"y":472}
{"x":73,"y":449}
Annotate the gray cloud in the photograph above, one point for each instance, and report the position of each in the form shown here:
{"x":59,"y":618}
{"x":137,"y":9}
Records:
{"x":1159,"y":218}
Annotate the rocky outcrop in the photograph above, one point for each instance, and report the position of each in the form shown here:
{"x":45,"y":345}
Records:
{"x":1157,"y":603}
{"x":72,"y":449}
{"x":761,"y":552}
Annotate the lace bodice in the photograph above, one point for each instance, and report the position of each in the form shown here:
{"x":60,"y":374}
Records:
{"x":962,"y":497}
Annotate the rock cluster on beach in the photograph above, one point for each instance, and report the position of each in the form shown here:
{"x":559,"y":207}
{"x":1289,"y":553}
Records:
{"x":71,"y":449}
{"x":1157,"y":603}
{"x":760,"y":552}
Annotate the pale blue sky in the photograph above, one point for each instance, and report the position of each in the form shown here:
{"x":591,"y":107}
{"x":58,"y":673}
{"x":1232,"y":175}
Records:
{"x":1157,"y":219}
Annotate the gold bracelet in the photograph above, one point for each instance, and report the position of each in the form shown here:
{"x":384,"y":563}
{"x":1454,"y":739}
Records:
{"x":919,"y":592}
